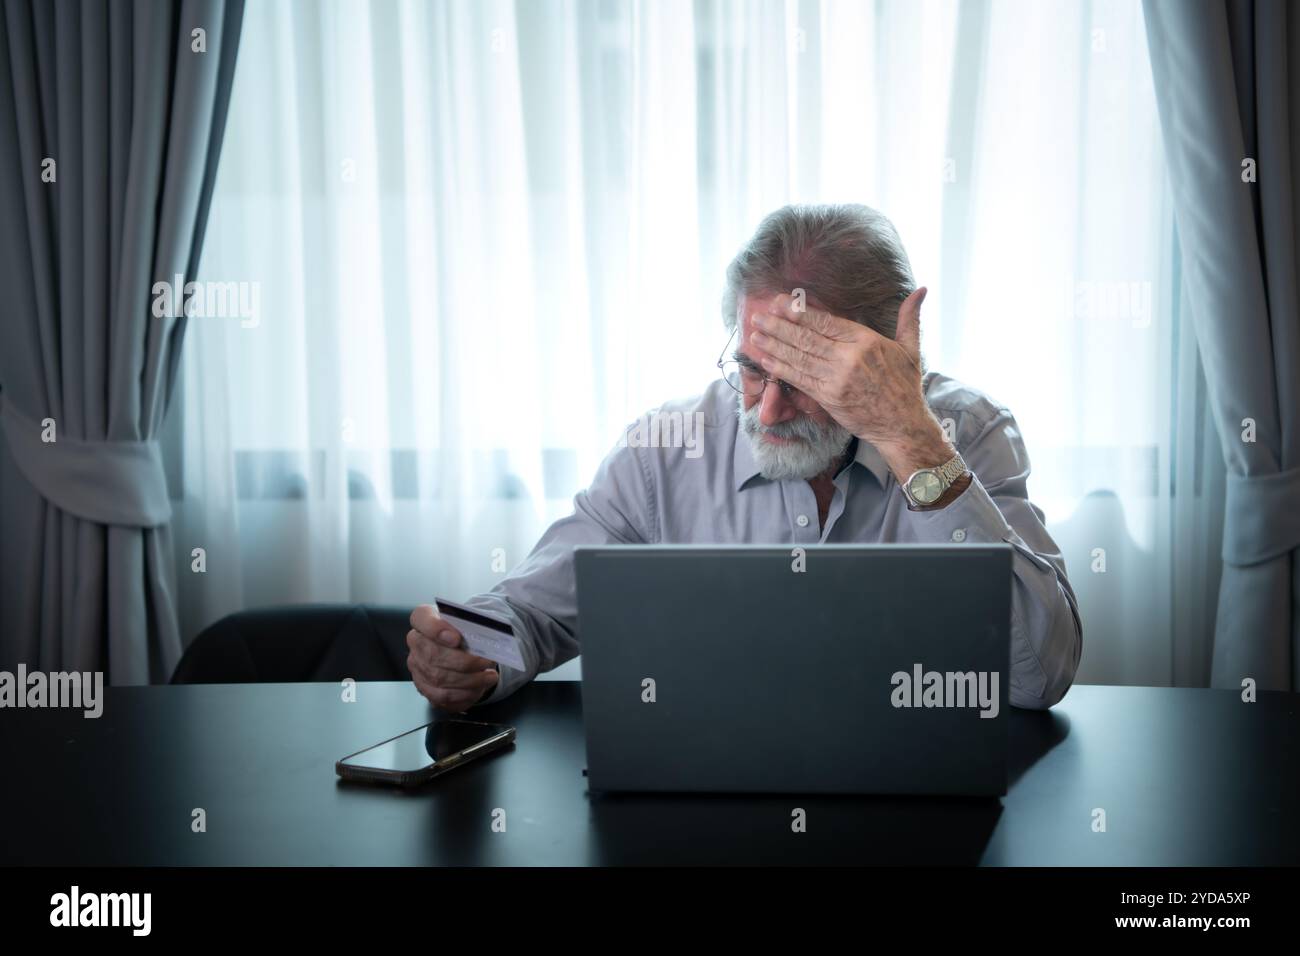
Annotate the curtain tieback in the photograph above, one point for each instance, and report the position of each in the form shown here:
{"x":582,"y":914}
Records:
{"x":108,"y":482}
{"x":1263,"y":516}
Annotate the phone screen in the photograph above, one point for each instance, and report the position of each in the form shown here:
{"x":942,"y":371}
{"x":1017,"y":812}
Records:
{"x":423,"y":746}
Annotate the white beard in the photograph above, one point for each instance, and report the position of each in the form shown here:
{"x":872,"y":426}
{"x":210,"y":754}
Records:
{"x":817,"y":449}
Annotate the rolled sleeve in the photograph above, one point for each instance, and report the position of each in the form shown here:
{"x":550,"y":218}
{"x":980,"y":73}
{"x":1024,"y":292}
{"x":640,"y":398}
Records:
{"x":972,"y":516}
{"x":1046,"y":631}
{"x":539,"y":598}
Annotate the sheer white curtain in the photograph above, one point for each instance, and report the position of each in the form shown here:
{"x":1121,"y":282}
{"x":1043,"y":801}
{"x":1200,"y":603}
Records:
{"x":486,"y":235}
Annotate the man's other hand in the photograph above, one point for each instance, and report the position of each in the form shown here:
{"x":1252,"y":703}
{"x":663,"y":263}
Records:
{"x":448,"y":676}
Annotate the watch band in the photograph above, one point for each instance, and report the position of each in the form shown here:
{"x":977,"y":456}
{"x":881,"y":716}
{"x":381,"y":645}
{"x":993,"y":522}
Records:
{"x":951,"y":470}
{"x":947,"y":473}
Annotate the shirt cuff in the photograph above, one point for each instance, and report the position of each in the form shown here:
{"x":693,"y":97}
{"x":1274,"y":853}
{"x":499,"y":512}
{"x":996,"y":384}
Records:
{"x":511,"y":679}
{"x":970,"y":517}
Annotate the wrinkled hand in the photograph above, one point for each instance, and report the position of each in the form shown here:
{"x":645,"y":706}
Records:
{"x":446,"y":674}
{"x":868,"y":383}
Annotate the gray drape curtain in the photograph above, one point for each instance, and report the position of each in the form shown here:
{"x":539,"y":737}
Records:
{"x":1227,"y":81}
{"x":111,"y":120}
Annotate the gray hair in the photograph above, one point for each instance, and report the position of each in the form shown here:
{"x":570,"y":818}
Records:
{"x":847,"y":258}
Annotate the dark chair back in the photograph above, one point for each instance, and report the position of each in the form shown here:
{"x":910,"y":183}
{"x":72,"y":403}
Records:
{"x":322,"y":642}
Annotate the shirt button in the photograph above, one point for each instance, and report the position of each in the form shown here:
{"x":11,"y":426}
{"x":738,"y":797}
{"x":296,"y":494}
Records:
{"x":959,"y":534}
{"x":801,"y":521}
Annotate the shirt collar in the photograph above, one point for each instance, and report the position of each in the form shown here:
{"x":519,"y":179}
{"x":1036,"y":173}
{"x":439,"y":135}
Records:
{"x":745,"y":468}
{"x":870,"y":458}
{"x":742,"y":459}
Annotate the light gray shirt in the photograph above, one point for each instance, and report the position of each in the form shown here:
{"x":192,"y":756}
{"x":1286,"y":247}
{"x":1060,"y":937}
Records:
{"x":708,"y":490}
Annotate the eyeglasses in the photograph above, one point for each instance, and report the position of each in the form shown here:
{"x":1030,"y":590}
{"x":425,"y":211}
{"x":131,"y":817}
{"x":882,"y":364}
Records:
{"x":750,"y":380}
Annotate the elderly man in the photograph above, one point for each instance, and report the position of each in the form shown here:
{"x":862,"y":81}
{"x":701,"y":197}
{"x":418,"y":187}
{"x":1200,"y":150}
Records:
{"x":824,"y":428}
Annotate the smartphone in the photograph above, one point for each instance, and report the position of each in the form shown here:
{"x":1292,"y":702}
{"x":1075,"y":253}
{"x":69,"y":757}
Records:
{"x":419,"y":755}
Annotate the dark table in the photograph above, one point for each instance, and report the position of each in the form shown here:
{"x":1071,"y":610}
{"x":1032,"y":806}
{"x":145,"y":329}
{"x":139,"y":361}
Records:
{"x":1186,"y":777}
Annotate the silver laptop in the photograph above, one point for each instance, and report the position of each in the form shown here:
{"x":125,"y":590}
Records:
{"x":826,"y":669}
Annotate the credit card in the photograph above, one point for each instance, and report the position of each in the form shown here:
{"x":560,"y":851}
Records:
{"x":485,"y":634}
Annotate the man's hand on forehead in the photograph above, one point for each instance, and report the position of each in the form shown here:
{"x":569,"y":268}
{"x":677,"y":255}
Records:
{"x":810,"y":321}
{"x":812,"y":333}
{"x":868,"y":383}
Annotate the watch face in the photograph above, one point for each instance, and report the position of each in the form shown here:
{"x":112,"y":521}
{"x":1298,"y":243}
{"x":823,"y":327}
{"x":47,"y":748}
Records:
{"x":925,"y":487}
